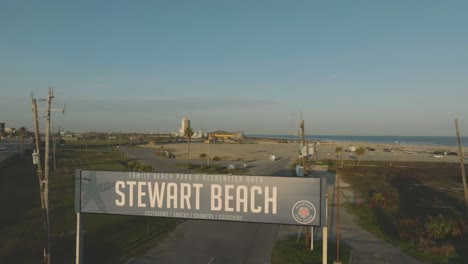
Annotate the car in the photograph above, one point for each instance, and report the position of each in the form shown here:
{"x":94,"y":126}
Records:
{"x":387,"y":150}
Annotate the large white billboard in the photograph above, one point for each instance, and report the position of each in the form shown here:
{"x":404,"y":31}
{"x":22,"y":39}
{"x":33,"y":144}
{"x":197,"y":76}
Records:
{"x":243,"y":198}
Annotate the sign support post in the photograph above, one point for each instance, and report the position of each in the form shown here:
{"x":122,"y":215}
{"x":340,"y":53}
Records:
{"x":311,"y":238}
{"x":79,"y":224}
{"x":79,"y":240}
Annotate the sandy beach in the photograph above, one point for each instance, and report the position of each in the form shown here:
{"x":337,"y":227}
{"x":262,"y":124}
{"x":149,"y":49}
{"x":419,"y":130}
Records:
{"x":261,"y":149}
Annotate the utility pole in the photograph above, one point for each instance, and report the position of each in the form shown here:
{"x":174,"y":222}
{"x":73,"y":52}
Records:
{"x":46,"y":164}
{"x":304,"y":164}
{"x":41,"y":181}
{"x":44,"y":176}
{"x":53,"y":147}
{"x":462,"y":165}
{"x":325,"y":234}
{"x":209,"y":142}
{"x":337,"y":223}
{"x":304,"y":155}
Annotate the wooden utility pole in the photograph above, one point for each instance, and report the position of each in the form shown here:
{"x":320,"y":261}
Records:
{"x":42,"y":183}
{"x":53,"y":147}
{"x":38,"y":145}
{"x":44,"y":175}
{"x":47,"y":159}
{"x":304,"y":164}
{"x":337,"y":225}
{"x":325,"y":234}
{"x":304,"y":156}
{"x":462,"y":165}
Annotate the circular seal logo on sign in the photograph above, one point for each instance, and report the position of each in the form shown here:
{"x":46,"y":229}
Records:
{"x":303,"y":212}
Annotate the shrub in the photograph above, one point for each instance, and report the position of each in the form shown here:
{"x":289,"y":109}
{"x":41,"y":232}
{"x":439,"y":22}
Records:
{"x":411,"y":228}
{"x":376,"y":199}
{"x":441,"y":227}
{"x":136,"y":166}
{"x":216,"y":159}
{"x":437,"y":249}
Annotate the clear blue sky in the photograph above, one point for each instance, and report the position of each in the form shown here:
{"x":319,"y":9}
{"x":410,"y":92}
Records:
{"x":351,"y":67}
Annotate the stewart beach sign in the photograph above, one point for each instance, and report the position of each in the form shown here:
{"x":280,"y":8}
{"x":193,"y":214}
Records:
{"x":241,"y":198}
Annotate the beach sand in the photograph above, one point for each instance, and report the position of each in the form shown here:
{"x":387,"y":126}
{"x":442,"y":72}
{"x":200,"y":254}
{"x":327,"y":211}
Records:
{"x":261,"y":149}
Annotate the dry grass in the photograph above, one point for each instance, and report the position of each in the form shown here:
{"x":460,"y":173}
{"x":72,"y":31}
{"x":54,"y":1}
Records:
{"x":412,"y":192}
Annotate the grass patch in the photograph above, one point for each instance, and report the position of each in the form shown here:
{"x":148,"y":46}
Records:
{"x":107,"y":238}
{"x":411,"y":194}
{"x":288,"y":251}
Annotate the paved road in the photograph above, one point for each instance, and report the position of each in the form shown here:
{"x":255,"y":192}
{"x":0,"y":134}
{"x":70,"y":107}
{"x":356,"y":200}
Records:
{"x":13,"y":147}
{"x":197,"y":241}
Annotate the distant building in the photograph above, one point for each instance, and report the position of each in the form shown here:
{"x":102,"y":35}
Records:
{"x":185,"y":123}
{"x":9,"y":130}
{"x":221,"y":135}
{"x":199,"y":134}
{"x":2,"y":127}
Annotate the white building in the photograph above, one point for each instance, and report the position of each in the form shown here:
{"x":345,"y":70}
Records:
{"x":199,"y":134}
{"x":185,"y":123}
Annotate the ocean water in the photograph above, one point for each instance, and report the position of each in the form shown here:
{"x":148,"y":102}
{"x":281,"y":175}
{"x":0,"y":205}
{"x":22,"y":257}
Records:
{"x":419,"y":140}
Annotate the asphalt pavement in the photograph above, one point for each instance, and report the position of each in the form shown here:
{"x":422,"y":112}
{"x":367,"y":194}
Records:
{"x":198,"y":241}
{"x":10,"y":147}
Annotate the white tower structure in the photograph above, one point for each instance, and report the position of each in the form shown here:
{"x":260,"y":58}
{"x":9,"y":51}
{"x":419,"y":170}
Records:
{"x":185,"y":123}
